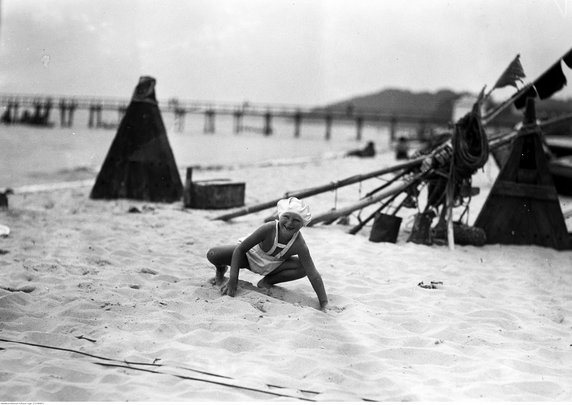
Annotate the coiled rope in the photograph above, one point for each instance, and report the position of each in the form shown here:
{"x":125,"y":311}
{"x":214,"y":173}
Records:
{"x":470,"y":144}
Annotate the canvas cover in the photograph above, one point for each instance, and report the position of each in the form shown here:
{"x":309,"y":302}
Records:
{"x":140,"y":164}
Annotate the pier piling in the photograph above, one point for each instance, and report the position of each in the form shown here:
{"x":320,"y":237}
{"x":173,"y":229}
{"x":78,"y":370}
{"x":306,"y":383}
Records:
{"x":359,"y":127}
{"x":297,"y":123}
{"x":267,"y":123}
{"x":238,"y":114}
{"x":328,"y":126}
{"x":209,"y":127}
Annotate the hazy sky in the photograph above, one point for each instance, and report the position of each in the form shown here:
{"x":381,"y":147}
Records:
{"x":303,"y":52}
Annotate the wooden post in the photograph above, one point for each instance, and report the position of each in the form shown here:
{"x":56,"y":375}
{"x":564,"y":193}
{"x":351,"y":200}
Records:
{"x":15,"y":114}
{"x":328,"y":126}
{"x":63,"y":109}
{"x":267,"y":123}
{"x":187,"y":189}
{"x":359,"y":127}
{"x":180,"y":119}
{"x":90,"y":119}
{"x":209,"y":127}
{"x":37,"y":111}
{"x":297,"y":123}
{"x":449,"y":201}
{"x":99,"y":120}
{"x":71,"y":108}
{"x":238,"y":114}
{"x":392,"y":130}
{"x":47,"y":110}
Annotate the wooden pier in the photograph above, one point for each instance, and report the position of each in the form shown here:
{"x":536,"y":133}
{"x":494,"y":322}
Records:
{"x":37,"y":109}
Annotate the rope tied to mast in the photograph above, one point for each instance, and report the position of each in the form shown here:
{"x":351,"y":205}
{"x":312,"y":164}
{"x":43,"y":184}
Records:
{"x":470,"y":144}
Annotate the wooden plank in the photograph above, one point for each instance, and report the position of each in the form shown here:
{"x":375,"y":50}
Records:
{"x":523,"y":190}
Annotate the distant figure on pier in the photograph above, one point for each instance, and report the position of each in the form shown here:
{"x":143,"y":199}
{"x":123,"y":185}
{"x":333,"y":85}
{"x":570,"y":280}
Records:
{"x":402,"y":148}
{"x":4,"y":198}
{"x":367,"y":151}
{"x":7,"y":116}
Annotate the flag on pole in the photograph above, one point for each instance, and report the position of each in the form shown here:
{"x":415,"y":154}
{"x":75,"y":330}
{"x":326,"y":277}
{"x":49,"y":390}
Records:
{"x":511,"y":75}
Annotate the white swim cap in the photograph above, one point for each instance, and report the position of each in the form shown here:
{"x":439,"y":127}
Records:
{"x":295,"y":206}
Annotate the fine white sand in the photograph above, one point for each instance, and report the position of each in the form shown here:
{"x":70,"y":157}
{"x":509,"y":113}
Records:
{"x":101,"y":304}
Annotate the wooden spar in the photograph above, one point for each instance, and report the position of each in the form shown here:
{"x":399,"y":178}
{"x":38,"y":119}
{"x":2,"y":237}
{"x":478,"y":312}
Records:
{"x":450,"y":198}
{"x":378,"y":189}
{"x":557,"y":120}
{"x":385,"y":185}
{"x":321,"y":189}
{"x":364,"y":202}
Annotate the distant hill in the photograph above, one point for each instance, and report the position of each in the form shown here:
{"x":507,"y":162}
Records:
{"x":402,"y":102}
{"x":439,"y":105}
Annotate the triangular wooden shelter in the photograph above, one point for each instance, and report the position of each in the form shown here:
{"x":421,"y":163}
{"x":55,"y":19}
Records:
{"x":140,"y":164}
{"x":523,"y":207}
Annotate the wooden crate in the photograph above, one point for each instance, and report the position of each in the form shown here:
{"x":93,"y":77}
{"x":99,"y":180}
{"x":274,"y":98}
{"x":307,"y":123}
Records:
{"x":215,"y":194}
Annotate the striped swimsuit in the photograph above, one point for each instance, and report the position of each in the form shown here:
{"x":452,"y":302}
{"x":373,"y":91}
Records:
{"x":262,"y":262}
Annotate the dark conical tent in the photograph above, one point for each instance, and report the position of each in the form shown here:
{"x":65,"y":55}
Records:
{"x":140,"y":164}
{"x":523,"y":206}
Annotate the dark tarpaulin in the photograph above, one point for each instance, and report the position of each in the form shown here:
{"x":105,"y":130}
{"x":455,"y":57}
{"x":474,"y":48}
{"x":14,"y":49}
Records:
{"x":568,"y":59}
{"x":140,"y":164}
{"x":520,"y":102}
{"x":551,"y":81}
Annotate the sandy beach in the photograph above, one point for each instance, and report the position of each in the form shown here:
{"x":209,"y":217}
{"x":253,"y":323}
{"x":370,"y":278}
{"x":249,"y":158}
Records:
{"x":100,"y":303}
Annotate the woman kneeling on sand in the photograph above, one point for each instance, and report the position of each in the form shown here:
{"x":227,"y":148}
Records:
{"x":276,"y":250}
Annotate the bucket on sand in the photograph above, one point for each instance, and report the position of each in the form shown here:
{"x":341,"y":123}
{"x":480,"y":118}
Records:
{"x":385,"y":228}
{"x":421,"y":231}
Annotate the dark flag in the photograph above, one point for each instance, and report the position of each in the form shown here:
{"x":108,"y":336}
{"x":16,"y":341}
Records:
{"x":511,"y":75}
{"x":550,"y":82}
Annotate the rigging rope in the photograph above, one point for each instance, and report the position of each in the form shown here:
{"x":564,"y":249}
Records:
{"x":470,"y":144}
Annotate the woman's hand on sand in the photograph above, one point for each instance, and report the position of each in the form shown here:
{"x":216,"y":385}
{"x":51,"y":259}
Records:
{"x":229,"y":288}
